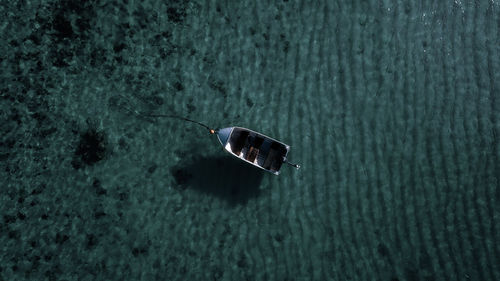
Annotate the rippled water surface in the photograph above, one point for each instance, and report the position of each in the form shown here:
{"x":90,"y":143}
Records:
{"x":391,"y":108}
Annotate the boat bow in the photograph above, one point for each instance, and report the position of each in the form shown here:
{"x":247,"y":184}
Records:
{"x":223,"y":135}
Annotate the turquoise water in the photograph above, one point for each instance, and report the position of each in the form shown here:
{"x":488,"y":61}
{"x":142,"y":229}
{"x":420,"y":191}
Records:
{"x":391,"y":108}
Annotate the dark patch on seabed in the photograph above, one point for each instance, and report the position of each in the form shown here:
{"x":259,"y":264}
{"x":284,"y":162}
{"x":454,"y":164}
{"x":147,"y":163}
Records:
{"x":92,"y":147}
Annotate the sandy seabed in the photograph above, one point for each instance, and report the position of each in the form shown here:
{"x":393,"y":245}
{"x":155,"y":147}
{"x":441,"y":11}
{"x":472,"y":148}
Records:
{"x":391,"y":109}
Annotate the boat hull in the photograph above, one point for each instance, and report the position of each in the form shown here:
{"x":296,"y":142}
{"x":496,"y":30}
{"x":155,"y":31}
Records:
{"x":254,"y":148}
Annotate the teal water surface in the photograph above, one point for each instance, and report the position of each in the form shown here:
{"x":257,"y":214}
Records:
{"x":390,"y":107}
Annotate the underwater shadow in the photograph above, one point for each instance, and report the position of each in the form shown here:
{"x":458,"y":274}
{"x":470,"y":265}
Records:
{"x":223,"y":176}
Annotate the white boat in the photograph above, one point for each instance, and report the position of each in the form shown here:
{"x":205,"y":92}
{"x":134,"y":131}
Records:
{"x":254,"y":148}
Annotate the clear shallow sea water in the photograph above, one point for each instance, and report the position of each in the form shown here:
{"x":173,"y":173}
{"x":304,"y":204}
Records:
{"x":391,"y":108}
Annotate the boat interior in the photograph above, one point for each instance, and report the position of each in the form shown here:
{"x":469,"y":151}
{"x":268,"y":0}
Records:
{"x":257,"y":149}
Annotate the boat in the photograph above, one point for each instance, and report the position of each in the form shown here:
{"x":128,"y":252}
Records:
{"x":254,"y":148}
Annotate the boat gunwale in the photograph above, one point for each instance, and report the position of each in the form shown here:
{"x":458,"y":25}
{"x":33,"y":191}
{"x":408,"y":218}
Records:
{"x":259,"y":134}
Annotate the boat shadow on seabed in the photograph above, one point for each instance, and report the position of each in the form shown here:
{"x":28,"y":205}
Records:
{"x":221,"y":176}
